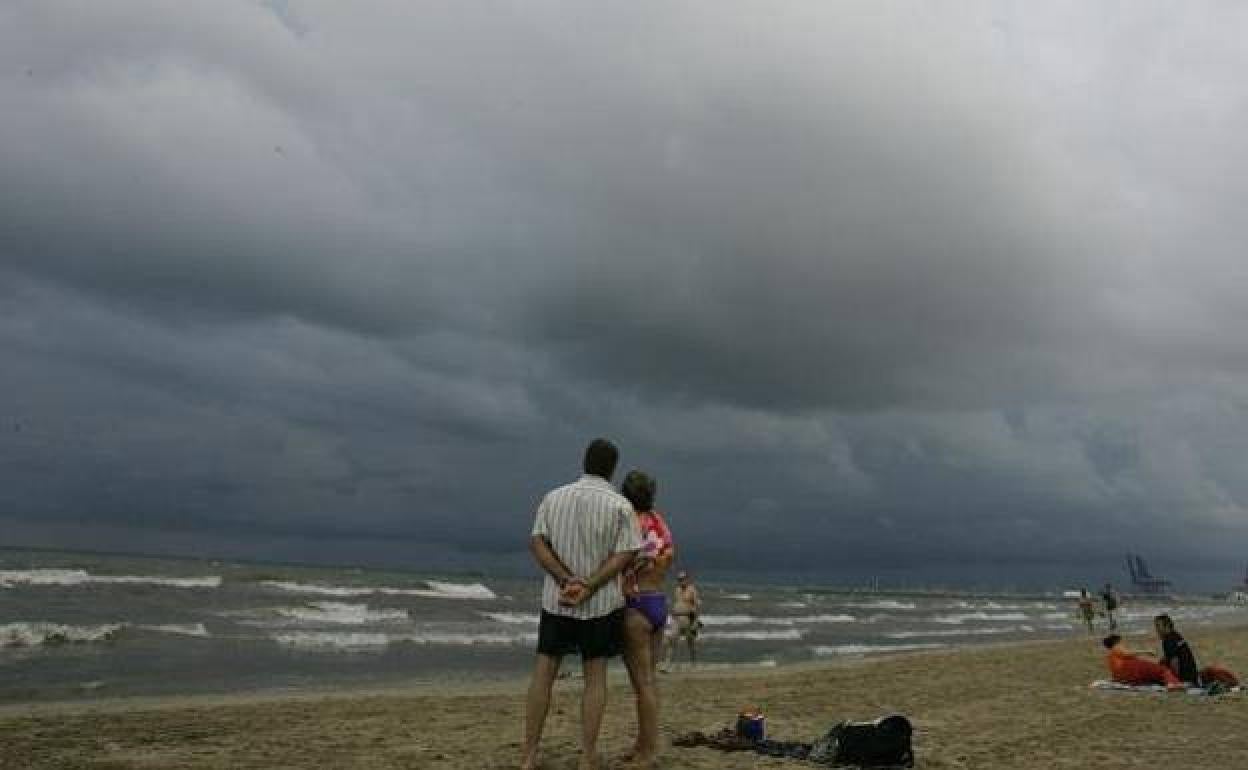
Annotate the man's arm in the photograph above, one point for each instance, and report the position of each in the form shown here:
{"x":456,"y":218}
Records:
{"x":548,"y":560}
{"x":581,"y":589}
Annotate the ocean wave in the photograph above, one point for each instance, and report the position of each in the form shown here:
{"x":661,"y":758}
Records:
{"x":73,"y":577}
{"x":883,"y":604}
{"x":793,"y":605}
{"x":512,"y":618}
{"x":791,"y":635}
{"x":368,"y":640}
{"x":181,"y":629}
{"x":339,"y":613}
{"x":435,"y":590}
{"x":986,"y":617}
{"x":39,"y":634}
{"x":754,"y":620}
{"x":959,"y":632}
{"x":738,"y":597}
{"x":827,"y":651}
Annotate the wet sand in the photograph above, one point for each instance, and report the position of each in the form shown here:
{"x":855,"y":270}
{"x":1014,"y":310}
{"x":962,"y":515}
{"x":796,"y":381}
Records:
{"x":1019,"y":706}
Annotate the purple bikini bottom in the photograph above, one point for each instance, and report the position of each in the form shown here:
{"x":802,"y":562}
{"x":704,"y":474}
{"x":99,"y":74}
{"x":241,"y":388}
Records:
{"x":652,"y":604}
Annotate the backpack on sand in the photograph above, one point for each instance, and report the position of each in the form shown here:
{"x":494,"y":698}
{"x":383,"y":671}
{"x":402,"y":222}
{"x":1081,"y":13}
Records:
{"x":882,"y":743}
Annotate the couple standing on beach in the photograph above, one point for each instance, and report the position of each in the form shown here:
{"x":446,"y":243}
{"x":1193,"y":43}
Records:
{"x":606,"y":556}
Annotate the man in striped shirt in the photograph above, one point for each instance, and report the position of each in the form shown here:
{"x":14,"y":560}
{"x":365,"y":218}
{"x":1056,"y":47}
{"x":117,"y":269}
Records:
{"x":584,"y":535}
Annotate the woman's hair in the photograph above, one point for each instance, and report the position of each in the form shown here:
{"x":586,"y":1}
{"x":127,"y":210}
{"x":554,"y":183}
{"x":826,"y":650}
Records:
{"x":1165,"y":621}
{"x":1111,"y":640}
{"x":639,"y":488}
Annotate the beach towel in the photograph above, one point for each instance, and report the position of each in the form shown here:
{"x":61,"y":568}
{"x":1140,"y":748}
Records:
{"x":1109,"y":685}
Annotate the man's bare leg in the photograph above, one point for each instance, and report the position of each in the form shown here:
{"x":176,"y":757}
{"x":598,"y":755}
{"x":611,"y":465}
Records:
{"x":593,"y":703}
{"x":544,"y":672}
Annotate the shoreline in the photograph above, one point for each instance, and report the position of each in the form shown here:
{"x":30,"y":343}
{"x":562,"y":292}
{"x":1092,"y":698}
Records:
{"x":510,"y":683}
{"x":1025,"y":704}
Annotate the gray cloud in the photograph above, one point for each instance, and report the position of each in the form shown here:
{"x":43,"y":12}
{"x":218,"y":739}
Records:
{"x":865,"y":284}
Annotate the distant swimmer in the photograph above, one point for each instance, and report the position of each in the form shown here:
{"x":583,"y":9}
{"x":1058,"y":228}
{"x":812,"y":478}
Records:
{"x":1110,"y":597}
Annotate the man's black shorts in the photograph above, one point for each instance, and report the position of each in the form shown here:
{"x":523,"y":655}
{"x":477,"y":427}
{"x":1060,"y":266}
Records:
{"x":601,"y":637}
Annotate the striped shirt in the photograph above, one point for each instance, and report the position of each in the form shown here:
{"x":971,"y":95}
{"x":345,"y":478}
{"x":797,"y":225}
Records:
{"x":585,"y":522}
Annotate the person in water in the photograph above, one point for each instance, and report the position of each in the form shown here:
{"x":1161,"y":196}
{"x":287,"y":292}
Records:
{"x":646,"y":617}
{"x":1110,"y":597}
{"x":1127,"y":667}
{"x":685,"y":610}
{"x":1087,"y":609}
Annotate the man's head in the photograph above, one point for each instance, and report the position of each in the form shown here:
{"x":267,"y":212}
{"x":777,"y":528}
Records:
{"x":639,"y":488}
{"x":1111,"y":641}
{"x":600,"y":458}
{"x":682,"y":577}
{"x":1164,"y":624}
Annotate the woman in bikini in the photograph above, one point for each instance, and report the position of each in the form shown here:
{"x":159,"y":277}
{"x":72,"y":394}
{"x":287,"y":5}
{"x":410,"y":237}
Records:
{"x":646,"y":617}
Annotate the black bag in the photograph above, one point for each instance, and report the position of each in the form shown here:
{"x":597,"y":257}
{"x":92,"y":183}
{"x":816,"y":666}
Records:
{"x":882,"y":743}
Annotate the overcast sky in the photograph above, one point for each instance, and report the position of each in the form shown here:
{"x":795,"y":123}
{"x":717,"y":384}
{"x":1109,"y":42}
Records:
{"x":868,"y":286}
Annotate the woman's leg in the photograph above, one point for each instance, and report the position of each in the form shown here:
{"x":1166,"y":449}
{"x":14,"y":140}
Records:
{"x":639,"y":660}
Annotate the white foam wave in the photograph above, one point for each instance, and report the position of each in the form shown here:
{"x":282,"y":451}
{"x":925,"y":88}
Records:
{"x":791,"y":635}
{"x":752,"y":620}
{"x":794,"y":605}
{"x":367,"y":640}
{"x":738,"y":597}
{"x":436,"y":590}
{"x":986,"y":617}
{"x":183,"y":629}
{"x":38,"y":634}
{"x":868,"y":649}
{"x":959,"y":632}
{"x":339,"y":613}
{"x":883,"y":604}
{"x":73,"y":577}
{"x":513,"y":618}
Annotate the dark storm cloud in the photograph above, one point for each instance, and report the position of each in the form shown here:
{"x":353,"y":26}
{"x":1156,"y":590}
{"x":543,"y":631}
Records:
{"x":863,"y":282}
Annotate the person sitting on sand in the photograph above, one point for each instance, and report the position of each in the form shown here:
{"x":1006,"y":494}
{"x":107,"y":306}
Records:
{"x":1177,"y":655}
{"x":685,"y":610}
{"x":583,"y":536}
{"x":646,"y":617}
{"x":1126,"y":667}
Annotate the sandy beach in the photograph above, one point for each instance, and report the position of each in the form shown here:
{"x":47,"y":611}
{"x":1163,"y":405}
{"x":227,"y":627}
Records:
{"x":1022,"y":706}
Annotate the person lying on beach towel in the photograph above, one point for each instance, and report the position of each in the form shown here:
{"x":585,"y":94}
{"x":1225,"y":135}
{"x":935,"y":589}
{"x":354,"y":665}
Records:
{"x":1126,"y":667}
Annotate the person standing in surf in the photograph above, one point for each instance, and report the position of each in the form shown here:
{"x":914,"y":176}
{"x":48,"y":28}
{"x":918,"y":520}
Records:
{"x":1110,"y":597}
{"x":685,"y":610}
{"x":646,"y":618}
{"x":584,"y":535}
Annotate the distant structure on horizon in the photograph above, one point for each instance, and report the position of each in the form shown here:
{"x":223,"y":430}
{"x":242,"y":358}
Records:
{"x":1142,"y":580}
{"x":1240,"y":592}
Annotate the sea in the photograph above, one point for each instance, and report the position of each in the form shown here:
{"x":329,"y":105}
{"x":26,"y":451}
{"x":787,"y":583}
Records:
{"x":87,"y":626}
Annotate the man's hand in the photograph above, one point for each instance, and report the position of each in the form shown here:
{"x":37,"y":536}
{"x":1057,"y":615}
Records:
{"x":574,"y":592}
